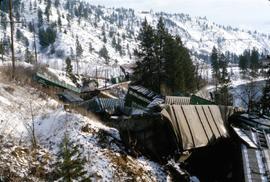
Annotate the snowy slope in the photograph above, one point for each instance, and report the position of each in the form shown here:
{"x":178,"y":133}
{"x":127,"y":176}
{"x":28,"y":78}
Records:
{"x":197,"y":33}
{"x":101,"y":145}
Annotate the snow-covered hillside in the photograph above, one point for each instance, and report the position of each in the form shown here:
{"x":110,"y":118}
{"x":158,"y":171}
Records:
{"x":116,"y":29}
{"x":101,"y":145}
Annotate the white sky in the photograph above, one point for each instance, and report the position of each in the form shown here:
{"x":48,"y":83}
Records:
{"x":248,"y":14}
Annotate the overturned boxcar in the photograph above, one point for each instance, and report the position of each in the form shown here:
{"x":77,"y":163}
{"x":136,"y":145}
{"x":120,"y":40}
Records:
{"x":177,"y":128}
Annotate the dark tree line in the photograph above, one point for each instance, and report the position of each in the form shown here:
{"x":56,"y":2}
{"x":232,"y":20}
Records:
{"x":221,"y":78}
{"x":163,"y":63}
{"x":249,"y":61}
{"x":265,"y":100}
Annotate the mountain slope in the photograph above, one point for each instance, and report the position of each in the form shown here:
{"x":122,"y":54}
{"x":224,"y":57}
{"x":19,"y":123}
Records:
{"x":116,"y":29}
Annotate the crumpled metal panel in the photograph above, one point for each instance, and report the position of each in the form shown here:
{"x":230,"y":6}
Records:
{"x":195,"y":125}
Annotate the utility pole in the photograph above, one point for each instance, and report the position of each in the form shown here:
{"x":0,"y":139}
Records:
{"x":35,"y":46}
{"x":12,"y":40}
{"x":2,"y":49}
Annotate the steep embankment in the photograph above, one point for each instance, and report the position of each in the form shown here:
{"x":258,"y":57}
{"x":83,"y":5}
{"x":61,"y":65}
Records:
{"x":22,"y":107}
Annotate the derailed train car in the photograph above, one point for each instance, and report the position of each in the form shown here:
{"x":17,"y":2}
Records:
{"x":174,"y":130}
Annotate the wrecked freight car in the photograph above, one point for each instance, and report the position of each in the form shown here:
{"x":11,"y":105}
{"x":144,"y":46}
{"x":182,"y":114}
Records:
{"x":252,"y":134}
{"x":174,"y":130}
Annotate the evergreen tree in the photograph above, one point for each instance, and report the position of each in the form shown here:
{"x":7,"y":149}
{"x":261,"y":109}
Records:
{"x":3,"y":21}
{"x":215,"y":66}
{"x":114,"y":42}
{"x":52,"y":51}
{"x":25,"y":41}
{"x":46,"y":37}
{"x":79,"y":50}
{"x":48,"y":10}
{"x":40,"y":17}
{"x":247,"y":55}
{"x":17,"y":16}
{"x":2,"y":49}
{"x":179,"y":69}
{"x":223,"y":95}
{"x":254,"y":62}
{"x":161,"y":35}
{"x":22,"y":8}
{"x":69,"y":68}
{"x":35,"y":4}
{"x":70,"y":163}
{"x":145,"y":56}
{"x":19,"y":34}
{"x":59,"y":22}
{"x":29,"y":57}
{"x":223,"y":64}
{"x":163,"y":63}
{"x":104,"y":39}
{"x":103,"y":52}
{"x":30,"y":6}
{"x":243,"y":63}
{"x":90,"y":47}
{"x":31,"y":27}
{"x":56,"y":3}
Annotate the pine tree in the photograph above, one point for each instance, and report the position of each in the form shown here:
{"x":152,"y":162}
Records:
{"x":46,"y":37}
{"x":103,"y":52}
{"x":215,"y":66}
{"x":19,"y":34}
{"x":35,"y":4}
{"x":104,"y":38}
{"x":143,"y":72}
{"x":223,"y":95}
{"x":79,"y":50}
{"x":223,"y":64}
{"x":90,"y":47}
{"x":69,"y":68}
{"x":161,"y":35}
{"x":59,"y":22}
{"x":254,"y":62}
{"x":52,"y":51}
{"x":243,"y":63}
{"x":30,"y":6}
{"x":70,"y":163}
{"x":3,"y":22}
{"x":114,"y":42}
{"x":2,"y":49}
{"x":48,"y":10}
{"x":29,"y":57}
{"x":40,"y":17}
{"x":56,"y":3}
{"x":163,"y":63}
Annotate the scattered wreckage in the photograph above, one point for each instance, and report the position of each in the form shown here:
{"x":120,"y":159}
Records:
{"x":211,"y":142}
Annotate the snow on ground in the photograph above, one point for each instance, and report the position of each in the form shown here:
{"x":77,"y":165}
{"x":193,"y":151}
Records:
{"x":101,"y":145}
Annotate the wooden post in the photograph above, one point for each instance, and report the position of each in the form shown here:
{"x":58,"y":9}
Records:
{"x":12,"y":38}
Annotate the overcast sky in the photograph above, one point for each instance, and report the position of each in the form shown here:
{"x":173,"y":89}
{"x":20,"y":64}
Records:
{"x":248,"y":14}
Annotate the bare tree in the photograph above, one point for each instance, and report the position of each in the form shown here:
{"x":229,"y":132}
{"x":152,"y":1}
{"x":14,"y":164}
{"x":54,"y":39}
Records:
{"x":30,"y":126}
{"x":249,"y":95}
